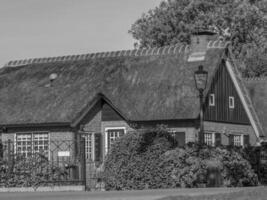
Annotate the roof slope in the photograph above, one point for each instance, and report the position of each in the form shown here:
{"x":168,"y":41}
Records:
{"x":257,"y":89}
{"x":149,"y":84}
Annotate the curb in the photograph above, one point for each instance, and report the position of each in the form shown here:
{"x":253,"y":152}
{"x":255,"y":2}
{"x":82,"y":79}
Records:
{"x":44,"y":189}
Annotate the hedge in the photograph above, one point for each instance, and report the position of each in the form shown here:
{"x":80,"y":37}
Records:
{"x":151,"y":159}
{"x":31,"y":171}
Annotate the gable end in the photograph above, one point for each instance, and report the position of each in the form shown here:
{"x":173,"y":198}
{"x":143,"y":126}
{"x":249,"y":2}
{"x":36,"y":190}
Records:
{"x":222,"y":90}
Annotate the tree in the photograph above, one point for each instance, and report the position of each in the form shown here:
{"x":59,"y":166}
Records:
{"x":240,"y":21}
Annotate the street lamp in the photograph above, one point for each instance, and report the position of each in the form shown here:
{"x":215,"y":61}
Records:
{"x":201,"y":77}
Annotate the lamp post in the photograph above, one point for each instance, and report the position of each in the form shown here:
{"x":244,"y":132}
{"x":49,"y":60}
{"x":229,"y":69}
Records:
{"x":201,"y":77}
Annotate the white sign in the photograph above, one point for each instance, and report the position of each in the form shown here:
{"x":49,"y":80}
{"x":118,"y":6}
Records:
{"x":63,"y":153}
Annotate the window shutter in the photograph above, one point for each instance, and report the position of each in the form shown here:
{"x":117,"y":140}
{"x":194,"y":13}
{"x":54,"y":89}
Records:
{"x":108,"y":132}
{"x":98,"y":147}
{"x":231,"y":140}
{"x":246,"y":140}
{"x":121,"y":132}
{"x":218,"y":139}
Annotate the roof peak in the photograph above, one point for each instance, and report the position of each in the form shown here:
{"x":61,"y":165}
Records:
{"x":165,"y":50}
{"x":261,"y":78}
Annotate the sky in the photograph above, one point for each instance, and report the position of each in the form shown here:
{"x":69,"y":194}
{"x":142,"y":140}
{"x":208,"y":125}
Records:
{"x":44,"y":28}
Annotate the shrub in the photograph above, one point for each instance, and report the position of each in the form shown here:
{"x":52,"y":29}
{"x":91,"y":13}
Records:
{"x":31,"y":171}
{"x":151,"y":159}
{"x":134,"y":161}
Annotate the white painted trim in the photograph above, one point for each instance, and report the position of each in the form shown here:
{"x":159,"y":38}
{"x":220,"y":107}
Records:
{"x":106,"y":135}
{"x":49,"y":146}
{"x":233,"y":101}
{"x":15,"y":143}
{"x":85,"y":135}
{"x":212,"y":137}
{"x":93,"y":145}
{"x":32,"y":132}
{"x":241,"y":138}
{"x":240,"y":94}
{"x":212,"y":95}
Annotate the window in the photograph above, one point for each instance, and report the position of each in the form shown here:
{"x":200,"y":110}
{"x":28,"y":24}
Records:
{"x":209,"y":139}
{"x":213,"y":138}
{"x":29,"y":143}
{"x":212,"y":100}
{"x":238,"y":140}
{"x":93,"y":146}
{"x":231,"y":102}
{"x":112,"y":134}
{"x":88,"y":146}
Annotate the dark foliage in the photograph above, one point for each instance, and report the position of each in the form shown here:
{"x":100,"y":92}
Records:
{"x":32,"y":171}
{"x":151,"y":159}
{"x":240,"y":21}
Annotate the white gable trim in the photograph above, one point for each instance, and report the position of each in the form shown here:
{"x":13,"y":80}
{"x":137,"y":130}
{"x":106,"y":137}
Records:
{"x":106,"y":135}
{"x":240,"y":94}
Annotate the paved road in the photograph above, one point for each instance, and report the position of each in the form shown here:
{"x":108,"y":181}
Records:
{"x":115,"y":195}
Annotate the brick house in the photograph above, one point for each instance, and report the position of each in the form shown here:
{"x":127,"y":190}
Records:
{"x":105,"y":95}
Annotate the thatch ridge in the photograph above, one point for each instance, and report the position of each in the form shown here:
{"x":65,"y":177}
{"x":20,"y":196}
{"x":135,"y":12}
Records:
{"x":261,"y":78}
{"x":165,"y":50}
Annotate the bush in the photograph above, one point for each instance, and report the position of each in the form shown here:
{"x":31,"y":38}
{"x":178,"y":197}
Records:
{"x":151,"y":159}
{"x":134,"y":161}
{"x":31,"y":171}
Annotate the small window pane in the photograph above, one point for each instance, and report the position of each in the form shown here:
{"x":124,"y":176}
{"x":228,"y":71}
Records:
{"x":212,"y":100}
{"x":29,"y":143}
{"x":237,"y":140}
{"x":231,"y":102}
{"x":208,"y":139}
{"x":113,"y":134}
{"x":88,"y":145}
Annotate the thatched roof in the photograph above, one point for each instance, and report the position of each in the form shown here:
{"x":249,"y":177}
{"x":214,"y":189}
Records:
{"x":257,"y":89}
{"x":152,"y":84}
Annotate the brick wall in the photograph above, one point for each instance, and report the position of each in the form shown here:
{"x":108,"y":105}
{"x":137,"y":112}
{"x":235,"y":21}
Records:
{"x":94,"y":125}
{"x":98,"y":126}
{"x":62,"y":142}
{"x":191,"y":134}
{"x":231,"y":129}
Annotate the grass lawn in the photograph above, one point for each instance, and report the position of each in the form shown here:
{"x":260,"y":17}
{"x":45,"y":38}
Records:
{"x":246,"y":194}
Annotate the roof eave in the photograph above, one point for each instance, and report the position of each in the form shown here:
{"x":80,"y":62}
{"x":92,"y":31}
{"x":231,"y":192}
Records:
{"x":45,"y":124}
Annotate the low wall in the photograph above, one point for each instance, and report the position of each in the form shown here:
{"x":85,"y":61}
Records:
{"x":44,"y":189}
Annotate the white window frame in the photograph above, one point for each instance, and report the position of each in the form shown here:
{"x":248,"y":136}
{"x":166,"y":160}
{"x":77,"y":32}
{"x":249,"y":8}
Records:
{"x":92,"y":135}
{"x":212,"y":99}
{"x":106,"y":135}
{"x":241,"y":140}
{"x":32,"y":133}
{"x":231,"y":102}
{"x":212,"y":138}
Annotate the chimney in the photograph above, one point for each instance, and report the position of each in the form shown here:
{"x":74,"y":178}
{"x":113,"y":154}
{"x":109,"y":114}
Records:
{"x":199,"y":45}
